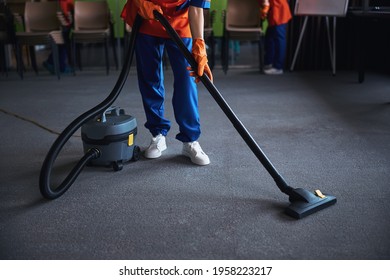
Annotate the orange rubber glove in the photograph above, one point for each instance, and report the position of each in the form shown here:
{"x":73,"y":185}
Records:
{"x":200,"y":55}
{"x":146,"y":8}
{"x":264,"y":12}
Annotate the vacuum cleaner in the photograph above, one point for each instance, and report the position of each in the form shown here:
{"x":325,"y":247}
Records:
{"x":108,"y":134}
{"x":303,"y":202}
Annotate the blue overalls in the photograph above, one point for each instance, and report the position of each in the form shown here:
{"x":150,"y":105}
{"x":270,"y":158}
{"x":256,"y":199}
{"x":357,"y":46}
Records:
{"x":149,"y":54}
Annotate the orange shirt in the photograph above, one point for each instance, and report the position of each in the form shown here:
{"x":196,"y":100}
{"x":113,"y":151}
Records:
{"x":279,"y":12}
{"x":178,"y":18}
{"x":67,"y":7}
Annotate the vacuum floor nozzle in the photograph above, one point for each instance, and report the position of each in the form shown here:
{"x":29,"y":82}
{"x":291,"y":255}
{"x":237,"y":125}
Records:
{"x":304,"y":203}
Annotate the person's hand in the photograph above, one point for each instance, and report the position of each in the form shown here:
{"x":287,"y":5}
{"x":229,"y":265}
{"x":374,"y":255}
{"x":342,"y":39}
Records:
{"x":264,"y":12}
{"x":200,"y":55}
{"x":146,"y":8}
{"x":61,"y":18}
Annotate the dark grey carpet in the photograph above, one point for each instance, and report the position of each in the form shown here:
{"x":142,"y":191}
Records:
{"x":319,"y":131}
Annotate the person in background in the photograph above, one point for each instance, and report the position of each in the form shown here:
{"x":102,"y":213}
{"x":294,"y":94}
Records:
{"x":278,"y":14}
{"x":65,"y":17}
{"x":186,"y":17}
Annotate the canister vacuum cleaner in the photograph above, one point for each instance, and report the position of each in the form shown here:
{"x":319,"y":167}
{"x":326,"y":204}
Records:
{"x":108,"y":134}
{"x":113,"y":134}
{"x":108,"y":137}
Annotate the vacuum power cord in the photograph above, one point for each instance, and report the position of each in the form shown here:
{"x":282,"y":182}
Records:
{"x":33,"y":122}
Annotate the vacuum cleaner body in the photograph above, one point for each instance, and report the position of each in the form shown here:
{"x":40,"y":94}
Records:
{"x":113,"y":134}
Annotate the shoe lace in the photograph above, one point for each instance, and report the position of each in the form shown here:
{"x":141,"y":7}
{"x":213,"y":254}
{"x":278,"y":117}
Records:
{"x":196,"y":148}
{"x":156,"y":141}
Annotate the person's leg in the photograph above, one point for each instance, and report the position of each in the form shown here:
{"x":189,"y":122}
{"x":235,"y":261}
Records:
{"x":185,"y":94}
{"x":63,"y":57}
{"x":48,"y":64}
{"x":280,"y":46}
{"x":269,"y":46}
{"x":149,"y":51}
{"x":63,"y":50}
{"x":185,"y":104}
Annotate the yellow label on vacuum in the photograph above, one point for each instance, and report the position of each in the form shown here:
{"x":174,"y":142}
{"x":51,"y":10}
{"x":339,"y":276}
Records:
{"x":319,"y":194}
{"x":130,"y":141}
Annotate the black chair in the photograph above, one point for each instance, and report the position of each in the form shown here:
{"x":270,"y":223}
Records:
{"x":42,"y":27}
{"x":7,"y":34}
{"x":92,"y":24}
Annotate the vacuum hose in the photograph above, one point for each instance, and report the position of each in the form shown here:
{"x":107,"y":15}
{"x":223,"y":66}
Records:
{"x":44,"y":180}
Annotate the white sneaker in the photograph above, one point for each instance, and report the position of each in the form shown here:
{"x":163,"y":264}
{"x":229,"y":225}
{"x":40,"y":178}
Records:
{"x":273,"y":71}
{"x":157,"y":145}
{"x":195,"y":153}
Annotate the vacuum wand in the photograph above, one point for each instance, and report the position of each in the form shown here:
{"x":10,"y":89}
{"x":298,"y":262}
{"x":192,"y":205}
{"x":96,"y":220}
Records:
{"x":303,"y":201}
{"x":281,"y":183}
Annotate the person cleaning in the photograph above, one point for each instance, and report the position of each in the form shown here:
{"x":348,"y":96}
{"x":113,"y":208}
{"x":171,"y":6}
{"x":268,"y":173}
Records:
{"x":66,"y":19}
{"x":186,"y":17}
{"x":278,"y":14}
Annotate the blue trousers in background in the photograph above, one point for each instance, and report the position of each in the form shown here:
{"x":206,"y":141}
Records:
{"x":275,"y":46}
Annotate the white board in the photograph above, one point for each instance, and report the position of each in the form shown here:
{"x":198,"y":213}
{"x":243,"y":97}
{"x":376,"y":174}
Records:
{"x":321,"y":8}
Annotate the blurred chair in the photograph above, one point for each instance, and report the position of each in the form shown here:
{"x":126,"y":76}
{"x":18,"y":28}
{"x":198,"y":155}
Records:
{"x":242,"y":23}
{"x":209,"y":35}
{"x":17,"y":7}
{"x":7,"y":34}
{"x":42,"y":27}
{"x":92,"y":24}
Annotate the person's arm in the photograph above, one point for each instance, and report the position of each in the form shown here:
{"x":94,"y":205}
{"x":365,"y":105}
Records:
{"x":196,"y":19}
{"x":264,"y":8}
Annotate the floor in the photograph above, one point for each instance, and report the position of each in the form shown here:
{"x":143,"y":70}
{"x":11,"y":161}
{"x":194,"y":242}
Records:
{"x":320,"y":132}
